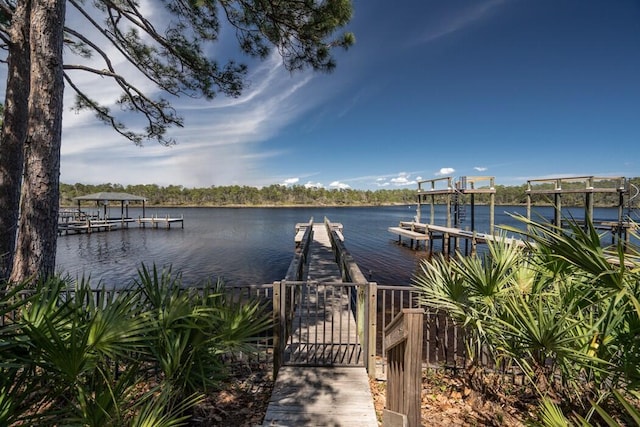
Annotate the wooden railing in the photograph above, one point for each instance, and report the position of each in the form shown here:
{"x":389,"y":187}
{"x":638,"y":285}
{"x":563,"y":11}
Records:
{"x":296,"y":268}
{"x":443,"y":342}
{"x":365,"y":303}
{"x":284,"y":297}
{"x":403,"y":341}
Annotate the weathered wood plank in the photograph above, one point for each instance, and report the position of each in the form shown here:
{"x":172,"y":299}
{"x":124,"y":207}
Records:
{"x":336,"y":396}
{"x":416,"y":235}
{"x":394,"y":419}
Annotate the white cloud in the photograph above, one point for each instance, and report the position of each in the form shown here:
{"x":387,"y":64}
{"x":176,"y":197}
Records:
{"x":291,"y":181}
{"x":313,"y":185}
{"x":402,"y":179}
{"x":480,"y":168}
{"x":445,"y":171}
{"x":223,"y":141}
{"x":339,"y":185}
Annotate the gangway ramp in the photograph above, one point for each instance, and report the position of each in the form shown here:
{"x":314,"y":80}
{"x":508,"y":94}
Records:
{"x":322,"y":380}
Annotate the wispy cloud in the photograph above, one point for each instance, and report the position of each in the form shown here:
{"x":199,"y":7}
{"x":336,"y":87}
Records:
{"x":219,"y":144}
{"x":459,"y":20}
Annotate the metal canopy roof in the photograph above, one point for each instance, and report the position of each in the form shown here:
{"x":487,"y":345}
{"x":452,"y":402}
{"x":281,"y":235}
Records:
{"x":112,"y":197}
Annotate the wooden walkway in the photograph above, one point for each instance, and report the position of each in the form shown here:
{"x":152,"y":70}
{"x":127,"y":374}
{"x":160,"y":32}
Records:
{"x":68,"y":226}
{"x":321,"y":396}
{"x":324,"y":331}
{"x":417,"y":232}
{"x":323,"y":381}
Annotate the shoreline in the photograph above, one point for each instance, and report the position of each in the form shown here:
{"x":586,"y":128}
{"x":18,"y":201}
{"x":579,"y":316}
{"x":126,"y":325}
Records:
{"x":353,"y":205}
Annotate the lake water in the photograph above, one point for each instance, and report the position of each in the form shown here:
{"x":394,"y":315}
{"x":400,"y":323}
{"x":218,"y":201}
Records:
{"x":255,"y":245}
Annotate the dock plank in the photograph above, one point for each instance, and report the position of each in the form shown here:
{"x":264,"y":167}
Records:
{"x":416,"y":235}
{"x":321,"y":396}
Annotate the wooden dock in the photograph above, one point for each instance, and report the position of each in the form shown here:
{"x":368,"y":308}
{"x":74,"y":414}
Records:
{"x":157,"y":222}
{"x":324,"y":328}
{"x":323,"y":381}
{"x":419,"y":232}
{"x":68,"y":225}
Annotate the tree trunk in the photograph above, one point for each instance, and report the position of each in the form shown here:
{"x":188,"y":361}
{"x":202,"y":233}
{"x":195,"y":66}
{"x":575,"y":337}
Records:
{"x":14,"y":131}
{"x":37,"y":228}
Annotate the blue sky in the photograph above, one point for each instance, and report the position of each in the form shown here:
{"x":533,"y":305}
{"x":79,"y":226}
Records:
{"x":516,"y":89}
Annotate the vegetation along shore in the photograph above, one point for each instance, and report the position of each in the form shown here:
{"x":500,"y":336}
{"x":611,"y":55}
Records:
{"x":298,"y":195}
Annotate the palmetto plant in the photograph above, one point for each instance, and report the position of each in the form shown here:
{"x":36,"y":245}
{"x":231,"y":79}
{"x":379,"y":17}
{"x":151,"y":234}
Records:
{"x":73,"y":355}
{"x":66,"y":345}
{"x":564,"y":309}
{"x":194,"y":330}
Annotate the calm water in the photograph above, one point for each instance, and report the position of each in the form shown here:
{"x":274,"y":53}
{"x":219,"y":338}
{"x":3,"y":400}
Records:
{"x":254,"y":245}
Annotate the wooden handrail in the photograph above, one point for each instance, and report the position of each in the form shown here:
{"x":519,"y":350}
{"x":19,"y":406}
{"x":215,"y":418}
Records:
{"x":366,"y":296}
{"x":296,"y":268}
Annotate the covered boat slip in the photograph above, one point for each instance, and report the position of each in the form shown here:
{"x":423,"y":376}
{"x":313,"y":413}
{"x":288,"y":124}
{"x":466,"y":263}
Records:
{"x":81,"y":220}
{"x":459,"y":197}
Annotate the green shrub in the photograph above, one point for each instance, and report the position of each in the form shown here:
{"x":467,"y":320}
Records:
{"x":73,"y":355}
{"x":564,"y":309}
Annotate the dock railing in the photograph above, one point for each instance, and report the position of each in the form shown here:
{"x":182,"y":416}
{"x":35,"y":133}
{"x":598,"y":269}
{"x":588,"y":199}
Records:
{"x":285,"y":295}
{"x":403,"y":341}
{"x":296,"y":268}
{"x":365,"y":303}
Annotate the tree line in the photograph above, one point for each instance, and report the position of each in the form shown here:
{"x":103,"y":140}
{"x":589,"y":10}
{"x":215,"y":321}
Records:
{"x":280,"y":195}
{"x":234,"y":195}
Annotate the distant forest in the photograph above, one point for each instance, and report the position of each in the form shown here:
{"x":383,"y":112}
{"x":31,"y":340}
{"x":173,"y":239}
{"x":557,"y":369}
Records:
{"x":279,"y":195}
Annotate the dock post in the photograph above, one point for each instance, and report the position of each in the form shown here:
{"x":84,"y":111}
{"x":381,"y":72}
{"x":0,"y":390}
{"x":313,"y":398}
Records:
{"x":403,"y":338}
{"x":279,"y":323}
{"x":445,"y":243}
{"x":474,"y":243}
{"x":372,"y":327}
